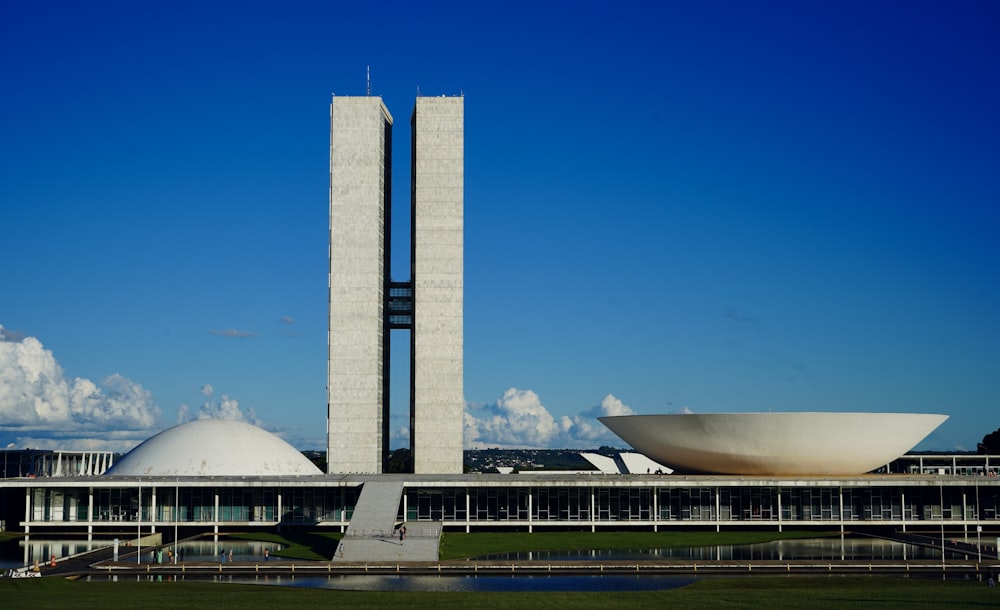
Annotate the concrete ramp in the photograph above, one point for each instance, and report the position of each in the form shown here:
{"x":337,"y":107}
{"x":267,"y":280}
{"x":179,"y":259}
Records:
{"x":376,"y":510}
{"x":372,"y":534}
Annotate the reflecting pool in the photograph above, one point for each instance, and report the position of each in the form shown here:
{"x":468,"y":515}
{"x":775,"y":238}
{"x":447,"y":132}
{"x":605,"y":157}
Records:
{"x":833,"y":548}
{"x":221,"y":549}
{"x":437,"y":583}
{"x":18,"y":553}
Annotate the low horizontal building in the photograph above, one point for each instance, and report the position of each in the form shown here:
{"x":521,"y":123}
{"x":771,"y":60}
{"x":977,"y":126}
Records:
{"x":218,"y":476}
{"x":125,"y":505}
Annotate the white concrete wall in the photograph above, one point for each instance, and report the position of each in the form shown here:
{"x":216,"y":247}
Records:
{"x":359,"y":152}
{"x":438,"y":217}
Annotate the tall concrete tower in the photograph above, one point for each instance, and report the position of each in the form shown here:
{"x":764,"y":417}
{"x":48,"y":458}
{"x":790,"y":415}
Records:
{"x":360,"y":168}
{"x":366,"y":304}
{"x":437,"y":202}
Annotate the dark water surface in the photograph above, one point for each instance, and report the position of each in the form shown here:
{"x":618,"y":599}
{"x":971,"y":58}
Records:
{"x":437,"y":583}
{"x":833,"y":548}
{"x":18,"y":553}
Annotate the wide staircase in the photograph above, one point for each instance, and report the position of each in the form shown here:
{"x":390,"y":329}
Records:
{"x":373,"y":534}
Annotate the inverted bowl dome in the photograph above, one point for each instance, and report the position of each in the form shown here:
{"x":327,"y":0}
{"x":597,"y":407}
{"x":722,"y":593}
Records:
{"x":213,"y":447}
{"x":774,"y":443}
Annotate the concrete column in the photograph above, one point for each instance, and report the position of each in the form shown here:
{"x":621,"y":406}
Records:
{"x":27,"y":510}
{"x":593,"y":510}
{"x":718,"y":510}
{"x":656,"y":509}
{"x":90,"y":513}
{"x":902,"y":508}
{"x":779,"y":510}
{"x":531,"y":505}
{"x":840,"y":497}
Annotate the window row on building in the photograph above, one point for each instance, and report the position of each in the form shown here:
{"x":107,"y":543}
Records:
{"x":519,"y":505}
{"x":652,"y":504}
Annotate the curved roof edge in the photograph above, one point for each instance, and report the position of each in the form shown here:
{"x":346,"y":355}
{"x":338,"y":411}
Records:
{"x":214,"y":447}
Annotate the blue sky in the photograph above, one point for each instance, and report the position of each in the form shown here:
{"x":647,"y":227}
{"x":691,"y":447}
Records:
{"x":677,"y":206}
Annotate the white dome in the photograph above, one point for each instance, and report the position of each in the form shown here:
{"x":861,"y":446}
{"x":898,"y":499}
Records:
{"x":213,"y":447}
{"x":790,"y":444}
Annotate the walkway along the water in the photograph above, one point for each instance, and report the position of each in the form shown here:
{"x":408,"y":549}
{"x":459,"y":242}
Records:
{"x":197,"y":570}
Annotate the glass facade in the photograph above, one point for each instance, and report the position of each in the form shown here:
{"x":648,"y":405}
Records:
{"x":871,"y":501}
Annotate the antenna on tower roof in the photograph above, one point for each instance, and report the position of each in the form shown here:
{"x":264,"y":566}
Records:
{"x":369,"y":88}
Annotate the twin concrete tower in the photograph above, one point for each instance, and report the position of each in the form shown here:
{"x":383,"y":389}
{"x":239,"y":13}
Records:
{"x":366,"y":303}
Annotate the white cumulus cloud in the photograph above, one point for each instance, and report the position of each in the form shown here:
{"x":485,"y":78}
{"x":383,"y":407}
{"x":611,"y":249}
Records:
{"x":224,"y":408}
{"x":519,"y":419}
{"x":35,"y":395}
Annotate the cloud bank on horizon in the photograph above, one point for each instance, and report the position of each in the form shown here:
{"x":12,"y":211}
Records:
{"x":44,"y":409}
{"x":224,"y":408}
{"x":518,"y":419}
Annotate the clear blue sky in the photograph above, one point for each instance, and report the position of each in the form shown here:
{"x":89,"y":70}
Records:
{"x":670,"y":206}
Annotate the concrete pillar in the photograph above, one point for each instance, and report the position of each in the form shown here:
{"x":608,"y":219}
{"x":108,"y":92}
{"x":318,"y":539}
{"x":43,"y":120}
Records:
{"x":90,"y":513}
{"x":27,"y":510}
{"x":779,"y":510}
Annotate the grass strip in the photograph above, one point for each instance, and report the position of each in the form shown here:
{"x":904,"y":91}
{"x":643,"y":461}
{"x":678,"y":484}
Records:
{"x":310,"y":546}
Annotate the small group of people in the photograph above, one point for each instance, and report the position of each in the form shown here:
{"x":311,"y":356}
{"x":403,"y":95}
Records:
{"x":224,"y":557}
{"x":172,"y":558}
{"x":157,"y":555}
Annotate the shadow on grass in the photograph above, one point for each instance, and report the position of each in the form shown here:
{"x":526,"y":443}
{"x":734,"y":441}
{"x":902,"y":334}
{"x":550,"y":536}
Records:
{"x":299,"y":544}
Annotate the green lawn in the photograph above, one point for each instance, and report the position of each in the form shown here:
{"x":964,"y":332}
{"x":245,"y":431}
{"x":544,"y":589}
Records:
{"x":311,"y":546}
{"x":748,"y":592}
{"x":320,"y":546}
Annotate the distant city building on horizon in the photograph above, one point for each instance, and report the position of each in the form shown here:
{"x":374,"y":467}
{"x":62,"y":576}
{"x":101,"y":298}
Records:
{"x":365,"y":303}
